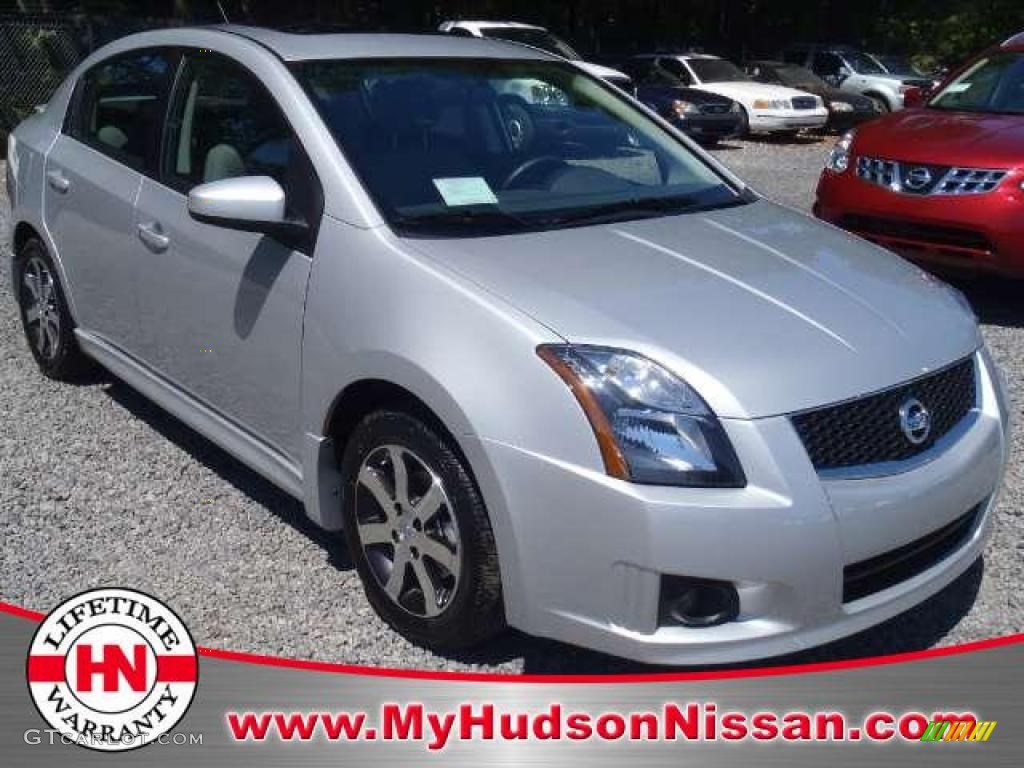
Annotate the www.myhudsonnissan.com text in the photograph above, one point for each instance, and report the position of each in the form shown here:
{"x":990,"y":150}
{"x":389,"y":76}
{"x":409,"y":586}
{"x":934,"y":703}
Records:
{"x":673,"y":722}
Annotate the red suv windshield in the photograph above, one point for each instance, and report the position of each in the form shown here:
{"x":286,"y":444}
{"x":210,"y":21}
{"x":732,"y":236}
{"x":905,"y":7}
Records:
{"x":992,"y":84}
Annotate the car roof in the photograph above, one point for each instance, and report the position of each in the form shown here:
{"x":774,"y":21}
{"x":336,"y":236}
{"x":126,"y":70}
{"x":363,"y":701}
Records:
{"x":292,"y":46}
{"x":490,"y":24}
{"x":674,"y":55}
{"x":1016,"y":42}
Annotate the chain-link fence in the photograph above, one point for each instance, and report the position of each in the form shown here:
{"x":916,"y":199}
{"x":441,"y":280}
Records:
{"x":35,"y":55}
{"x":38,"y":50}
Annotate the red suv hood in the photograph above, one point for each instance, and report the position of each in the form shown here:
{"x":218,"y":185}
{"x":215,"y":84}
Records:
{"x":931,"y":136}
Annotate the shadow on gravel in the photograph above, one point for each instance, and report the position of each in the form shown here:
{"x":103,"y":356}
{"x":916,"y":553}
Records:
{"x":917,"y":629}
{"x":228,"y":468}
{"x":996,"y":301}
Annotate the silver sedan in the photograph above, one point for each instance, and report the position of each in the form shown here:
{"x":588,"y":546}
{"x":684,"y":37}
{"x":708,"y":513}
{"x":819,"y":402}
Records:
{"x":541,"y":359}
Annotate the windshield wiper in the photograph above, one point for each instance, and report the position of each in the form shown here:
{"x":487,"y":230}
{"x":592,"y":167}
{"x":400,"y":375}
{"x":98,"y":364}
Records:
{"x":633,"y":208}
{"x":458,"y":220}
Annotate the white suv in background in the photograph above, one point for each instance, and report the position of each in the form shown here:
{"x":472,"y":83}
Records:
{"x":769,"y":108}
{"x":538,"y":37}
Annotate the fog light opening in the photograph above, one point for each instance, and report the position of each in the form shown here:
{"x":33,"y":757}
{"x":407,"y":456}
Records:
{"x":697,"y":602}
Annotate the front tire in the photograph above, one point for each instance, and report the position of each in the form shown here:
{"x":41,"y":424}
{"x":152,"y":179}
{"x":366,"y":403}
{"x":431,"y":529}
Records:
{"x":419,"y":534}
{"x":881,"y":105}
{"x":45,"y":317}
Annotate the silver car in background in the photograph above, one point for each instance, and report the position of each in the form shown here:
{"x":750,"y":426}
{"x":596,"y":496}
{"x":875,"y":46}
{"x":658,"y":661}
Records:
{"x":543,"y":360}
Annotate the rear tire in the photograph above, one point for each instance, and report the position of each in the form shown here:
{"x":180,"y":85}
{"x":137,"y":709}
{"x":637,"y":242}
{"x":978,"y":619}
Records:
{"x":45,"y":317}
{"x":409,"y":503}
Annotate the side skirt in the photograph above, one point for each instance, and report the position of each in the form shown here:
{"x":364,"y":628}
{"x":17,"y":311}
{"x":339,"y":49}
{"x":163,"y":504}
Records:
{"x":250,"y":450}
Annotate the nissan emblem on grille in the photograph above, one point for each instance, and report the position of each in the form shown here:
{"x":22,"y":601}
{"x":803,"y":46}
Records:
{"x":919,"y":178}
{"x":915,"y":421}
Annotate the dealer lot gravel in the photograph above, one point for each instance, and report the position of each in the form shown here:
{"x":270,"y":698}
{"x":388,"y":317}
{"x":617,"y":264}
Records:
{"x":99,"y":487}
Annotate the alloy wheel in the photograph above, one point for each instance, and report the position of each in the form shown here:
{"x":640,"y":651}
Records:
{"x":42,"y":312}
{"x":407,"y":530}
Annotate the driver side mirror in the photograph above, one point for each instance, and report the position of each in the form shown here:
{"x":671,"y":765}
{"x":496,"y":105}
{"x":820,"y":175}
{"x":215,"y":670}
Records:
{"x":913,"y":97}
{"x":248,"y":204}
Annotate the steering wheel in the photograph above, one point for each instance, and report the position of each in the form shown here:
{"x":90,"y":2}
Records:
{"x":531,"y":170}
{"x":517,"y":120}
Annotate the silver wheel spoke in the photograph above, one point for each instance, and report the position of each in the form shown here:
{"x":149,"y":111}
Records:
{"x":52,"y":334}
{"x":439,"y":553}
{"x":31,"y":281}
{"x":32,"y":313}
{"x":426,"y":587}
{"x":370,"y":480}
{"x":394,"y":583}
{"x":401,"y":475}
{"x":374,"y":533}
{"x":431,"y":502}
{"x":45,"y":289}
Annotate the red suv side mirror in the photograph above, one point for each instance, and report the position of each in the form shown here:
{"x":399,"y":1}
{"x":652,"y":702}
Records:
{"x":913,"y":97}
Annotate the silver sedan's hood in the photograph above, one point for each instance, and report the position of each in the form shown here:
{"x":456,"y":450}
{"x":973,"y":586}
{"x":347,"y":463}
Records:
{"x":763,"y":310}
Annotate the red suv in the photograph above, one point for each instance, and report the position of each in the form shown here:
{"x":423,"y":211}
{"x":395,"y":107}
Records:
{"x":942,"y":183}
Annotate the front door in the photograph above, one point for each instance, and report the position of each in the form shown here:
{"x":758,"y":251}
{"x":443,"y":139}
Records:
{"x":221,"y":310}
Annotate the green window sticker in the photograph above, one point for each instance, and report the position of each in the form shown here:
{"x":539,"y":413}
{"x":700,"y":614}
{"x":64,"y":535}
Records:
{"x":465,"y":190}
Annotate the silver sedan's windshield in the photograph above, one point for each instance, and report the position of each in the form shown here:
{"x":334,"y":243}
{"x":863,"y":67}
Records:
{"x":480,"y":146}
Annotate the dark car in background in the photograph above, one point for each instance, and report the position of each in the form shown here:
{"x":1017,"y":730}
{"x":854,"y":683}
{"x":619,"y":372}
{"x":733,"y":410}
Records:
{"x":705,"y":117}
{"x":845,"y":109}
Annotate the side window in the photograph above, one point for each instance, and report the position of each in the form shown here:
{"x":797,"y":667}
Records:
{"x":677,"y":69}
{"x":119,"y":107}
{"x":224,"y":123}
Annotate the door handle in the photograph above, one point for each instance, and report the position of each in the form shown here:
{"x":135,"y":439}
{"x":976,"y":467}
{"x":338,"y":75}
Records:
{"x":58,"y":181}
{"x":151,"y":235}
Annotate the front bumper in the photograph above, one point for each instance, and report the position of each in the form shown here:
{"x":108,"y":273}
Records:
{"x":844,"y":121}
{"x":704,"y":127}
{"x":770,"y":121}
{"x":591,"y":550}
{"x":960,"y":232}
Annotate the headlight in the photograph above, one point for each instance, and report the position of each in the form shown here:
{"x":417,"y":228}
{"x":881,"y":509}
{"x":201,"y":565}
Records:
{"x":682,"y":108}
{"x":839,"y":158}
{"x":840,"y":106}
{"x":772,"y":104}
{"x":651,"y":426}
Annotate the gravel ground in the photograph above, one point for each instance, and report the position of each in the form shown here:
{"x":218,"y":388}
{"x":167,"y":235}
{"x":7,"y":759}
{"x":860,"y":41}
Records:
{"x":100,"y":488}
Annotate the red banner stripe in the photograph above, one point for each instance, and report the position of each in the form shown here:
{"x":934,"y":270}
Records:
{"x":45,"y":669}
{"x":170,"y":669}
{"x":176,"y":669}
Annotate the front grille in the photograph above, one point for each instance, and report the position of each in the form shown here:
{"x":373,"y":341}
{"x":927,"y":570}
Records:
{"x":891,"y":568}
{"x":868,"y":430}
{"x":925,"y":179}
{"x":715,"y":109}
{"x":909,"y":235}
{"x":969,"y":181}
{"x":804,"y":102}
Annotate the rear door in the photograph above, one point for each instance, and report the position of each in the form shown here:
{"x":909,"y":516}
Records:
{"x":93,"y":174}
{"x":221,"y":310}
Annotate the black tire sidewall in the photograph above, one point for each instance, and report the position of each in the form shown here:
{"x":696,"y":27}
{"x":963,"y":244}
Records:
{"x":465,"y":620}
